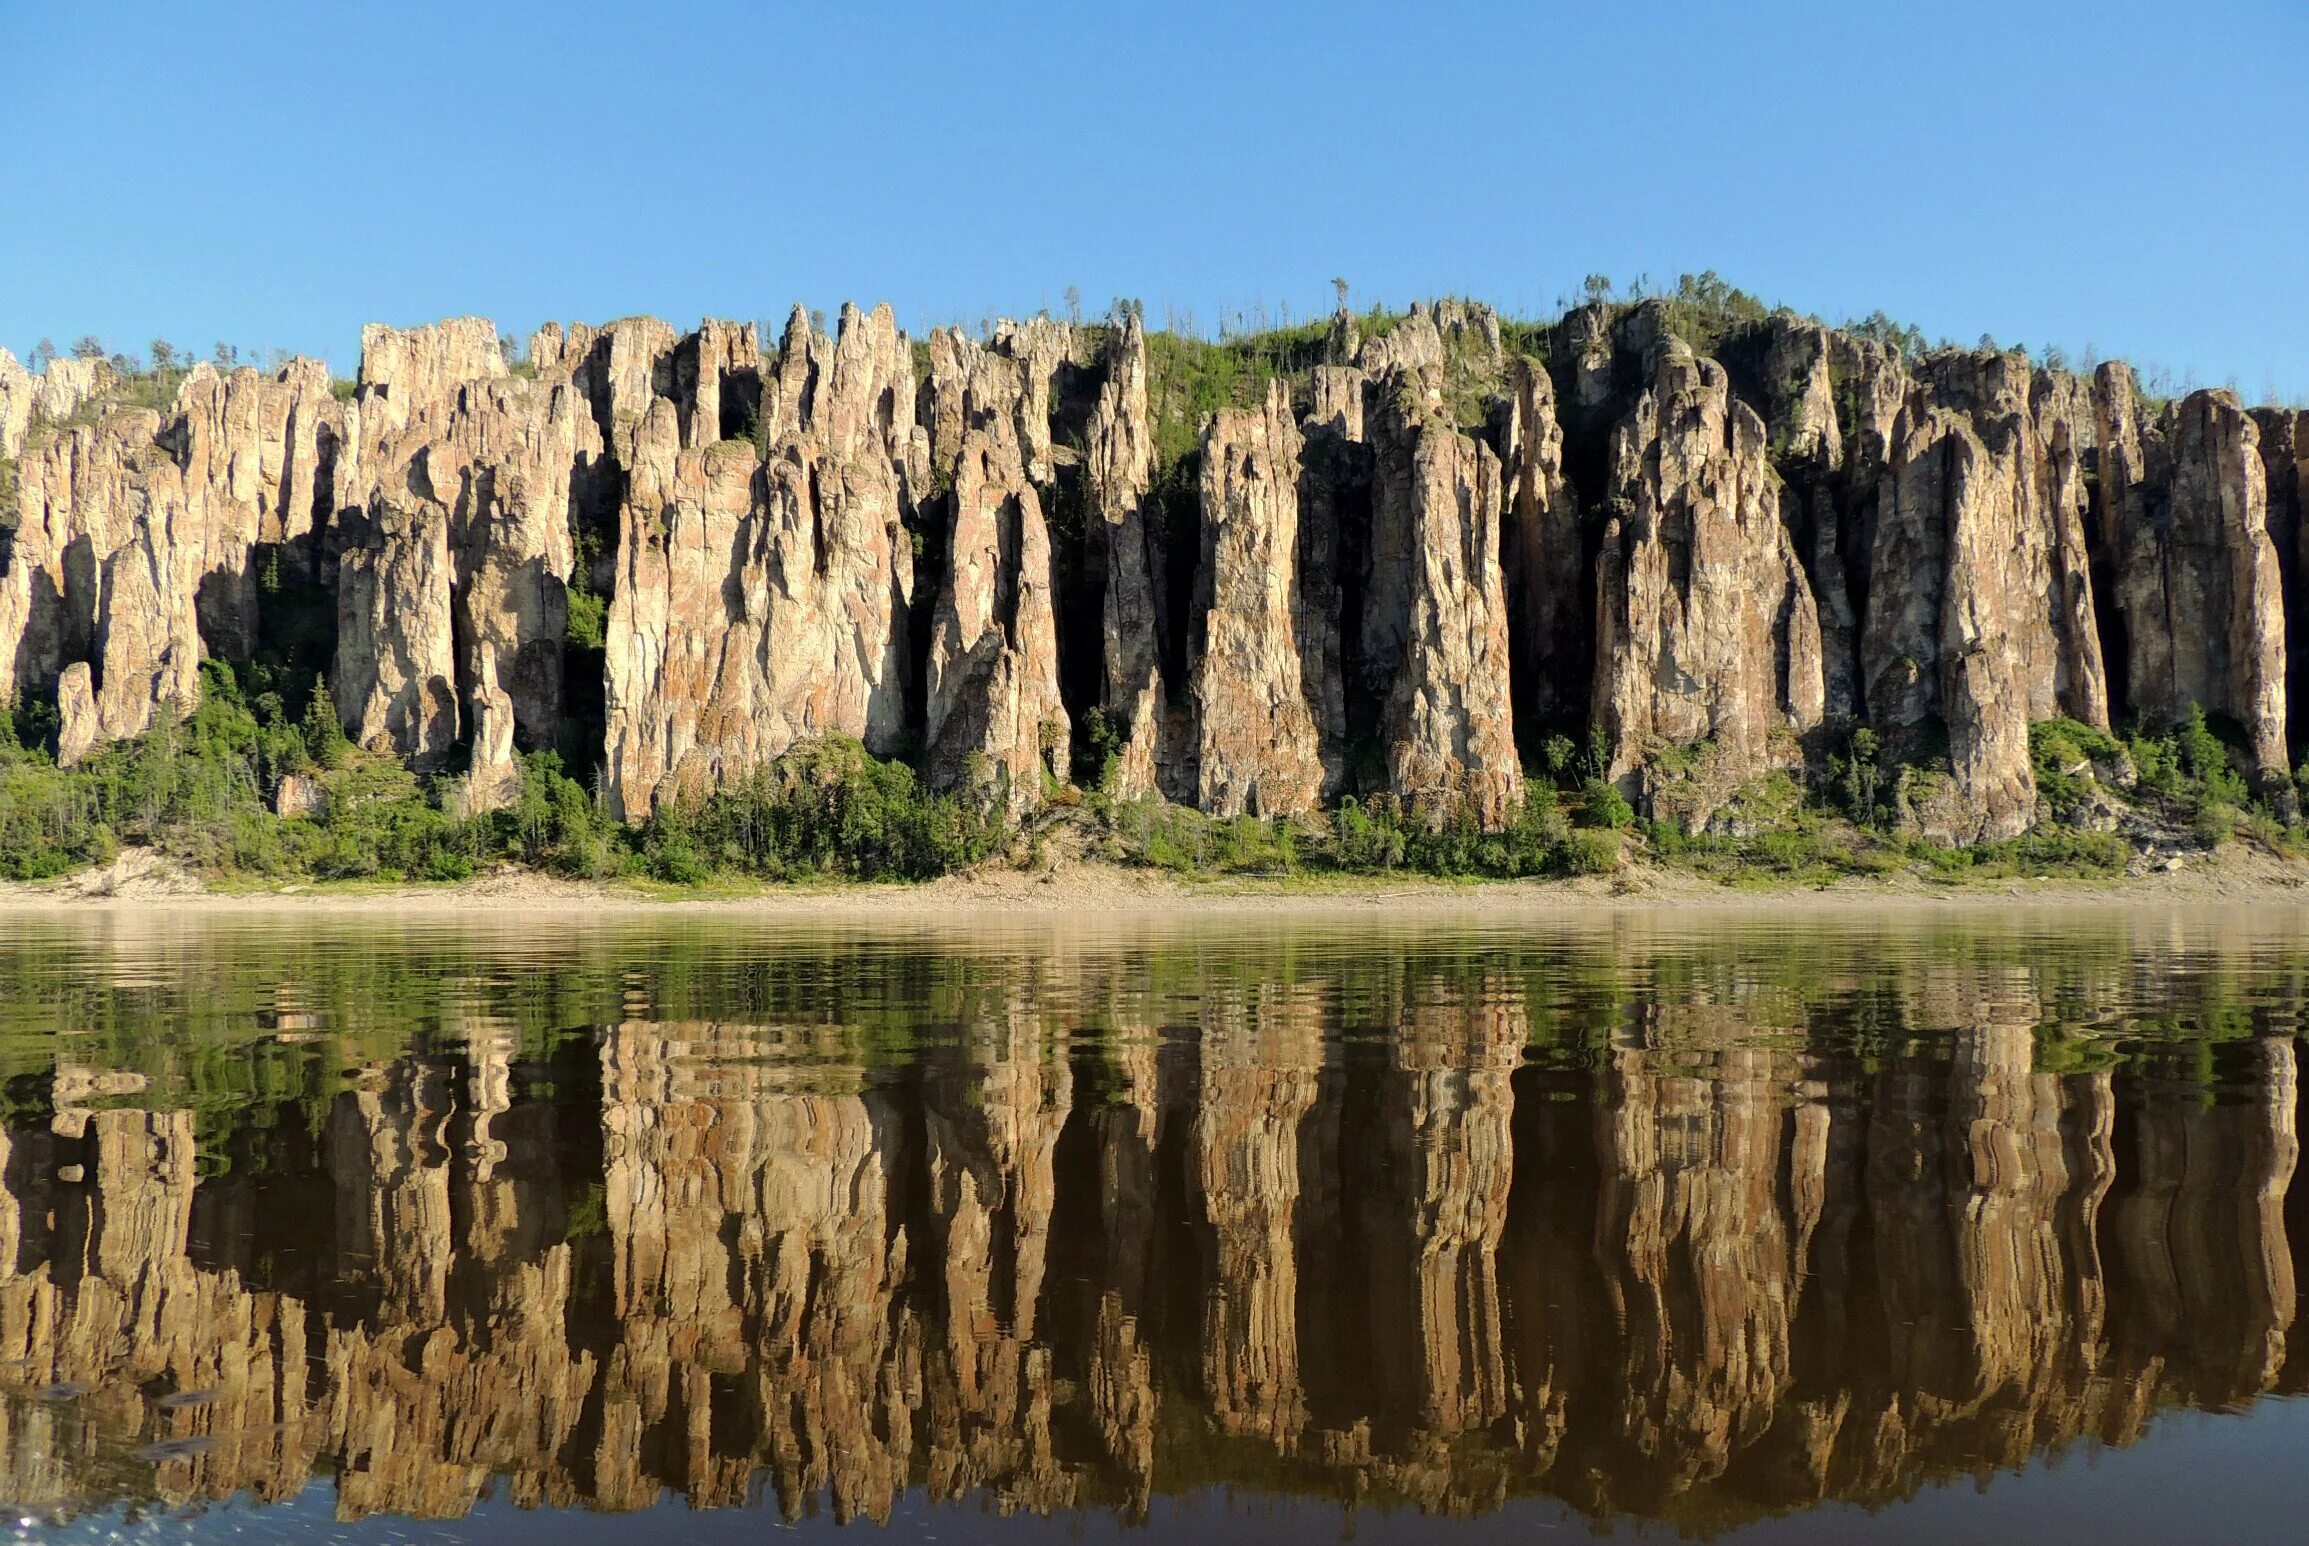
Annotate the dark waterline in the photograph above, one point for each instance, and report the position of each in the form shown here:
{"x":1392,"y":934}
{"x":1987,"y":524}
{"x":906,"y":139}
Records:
{"x":376,"y":1227}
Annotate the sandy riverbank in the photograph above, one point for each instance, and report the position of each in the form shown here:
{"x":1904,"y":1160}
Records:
{"x":2238,"y":877}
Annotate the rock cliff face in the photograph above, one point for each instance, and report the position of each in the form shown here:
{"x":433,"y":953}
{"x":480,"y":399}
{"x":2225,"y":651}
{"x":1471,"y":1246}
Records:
{"x":1400,"y":568}
{"x":2186,"y":518}
{"x":762,"y":599}
{"x":1434,"y":626}
{"x":1707,"y":635}
{"x":1258,"y":751}
{"x":1119,"y":466}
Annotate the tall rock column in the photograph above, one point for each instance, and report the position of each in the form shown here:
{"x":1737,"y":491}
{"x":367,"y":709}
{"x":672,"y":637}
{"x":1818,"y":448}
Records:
{"x":1548,"y":601}
{"x":1118,"y":464}
{"x":1706,"y":630}
{"x":993,"y":707}
{"x":1435,"y":612}
{"x":1258,"y":749}
{"x":396,"y":676}
{"x":761,"y":600}
{"x":2186,"y":509}
{"x":1939,"y":650}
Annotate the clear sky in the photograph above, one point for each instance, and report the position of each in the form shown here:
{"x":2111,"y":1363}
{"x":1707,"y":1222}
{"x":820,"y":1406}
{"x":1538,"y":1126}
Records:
{"x":2125,"y":176}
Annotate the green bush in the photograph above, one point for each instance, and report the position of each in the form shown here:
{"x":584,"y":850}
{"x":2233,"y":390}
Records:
{"x":825,"y":808}
{"x":1602,"y":805}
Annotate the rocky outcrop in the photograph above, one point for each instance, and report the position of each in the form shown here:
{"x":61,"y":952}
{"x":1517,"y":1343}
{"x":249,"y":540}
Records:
{"x":73,"y":500}
{"x":55,"y":394}
{"x":1981,"y":614}
{"x":1435,"y":612}
{"x":136,"y":543}
{"x":761,"y":599}
{"x":1258,"y":751}
{"x":2186,"y":511}
{"x":1118,"y":466}
{"x":1817,"y":532}
{"x":396,"y":674}
{"x":994,"y":719}
{"x":1549,"y":611}
{"x":17,"y":389}
{"x":402,"y":369}
{"x":1707,"y":636}
{"x":1800,"y":372}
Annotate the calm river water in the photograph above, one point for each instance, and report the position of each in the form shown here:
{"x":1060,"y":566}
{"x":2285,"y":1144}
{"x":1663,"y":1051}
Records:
{"x":369,"y":1227}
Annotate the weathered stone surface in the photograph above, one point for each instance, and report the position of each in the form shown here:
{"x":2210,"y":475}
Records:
{"x":1947,"y":560}
{"x":2029,"y":422}
{"x":1585,"y":352}
{"x":78,"y":728}
{"x":72,"y":502}
{"x":1008,"y":377}
{"x":403,"y":368}
{"x":2185,"y":512}
{"x":1799,"y":375}
{"x":1430,"y":337}
{"x":257,"y":458}
{"x":395,"y":681}
{"x":17,"y":389}
{"x":717,"y":385}
{"x":760,"y":602}
{"x":1118,"y":464}
{"x":1706,"y":629}
{"x":994,"y":715}
{"x":135,"y":542}
{"x":1435,"y":612}
{"x":1981,"y":616}
{"x":148,"y":638}
{"x":1258,"y":750}
{"x":1338,"y":400}
{"x":1334,"y":527}
{"x":1548,"y":600}
{"x":1039,"y":346}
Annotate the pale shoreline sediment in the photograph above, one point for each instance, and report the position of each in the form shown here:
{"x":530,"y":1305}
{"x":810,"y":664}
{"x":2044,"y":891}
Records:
{"x":1094,"y":892}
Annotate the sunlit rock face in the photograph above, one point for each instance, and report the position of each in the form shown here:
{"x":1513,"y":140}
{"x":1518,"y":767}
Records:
{"x":1707,"y":632}
{"x":1397,"y":559}
{"x":2185,"y":516}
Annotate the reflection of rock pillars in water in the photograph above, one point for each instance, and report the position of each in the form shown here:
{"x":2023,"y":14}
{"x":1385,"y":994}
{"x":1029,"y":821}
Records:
{"x":992,"y":1124}
{"x":1261,"y":1054}
{"x":392,"y":1173}
{"x":754,"y":1247}
{"x":1696,"y":1252}
{"x":114,"y":1304}
{"x":1122,"y":1393}
{"x":1725,"y":1272}
{"x":441,"y":1391}
{"x":1447,"y":1115}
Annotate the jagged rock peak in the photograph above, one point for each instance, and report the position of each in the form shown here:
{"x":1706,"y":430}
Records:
{"x":1428,"y":338}
{"x":1118,"y":467}
{"x":1435,"y":616}
{"x":994,"y":716}
{"x":1707,"y":634}
{"x":1258,"y":750}
{"x":404,"y":367}
{"x":2185,"y":516}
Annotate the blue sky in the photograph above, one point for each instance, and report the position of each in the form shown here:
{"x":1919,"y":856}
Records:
{"x":2121,"y":176}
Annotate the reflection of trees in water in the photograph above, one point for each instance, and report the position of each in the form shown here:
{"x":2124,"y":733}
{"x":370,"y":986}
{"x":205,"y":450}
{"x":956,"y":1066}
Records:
{"x":1727,"y":1245}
